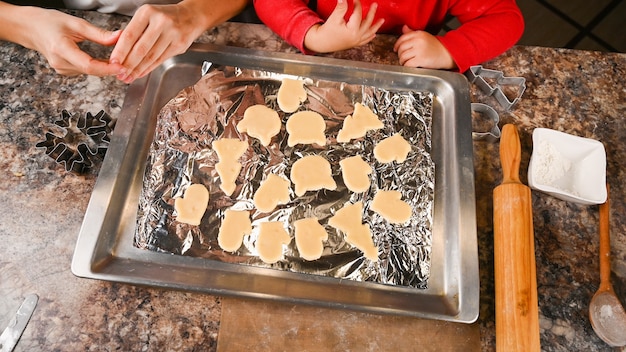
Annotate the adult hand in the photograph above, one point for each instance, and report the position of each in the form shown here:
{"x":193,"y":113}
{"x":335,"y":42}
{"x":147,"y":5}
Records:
{"x":55,"y":35}
{"x":336,"y":34}
{"x":154,"y":34}
{"x":422,"y":49}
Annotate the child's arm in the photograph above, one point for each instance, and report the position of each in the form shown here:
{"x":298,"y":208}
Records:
{"x":422,"y":49}
{"x":290,"y":19}
{"x":293,"y":21}
{"x":488,"y":28}
{"x":336,"y":34}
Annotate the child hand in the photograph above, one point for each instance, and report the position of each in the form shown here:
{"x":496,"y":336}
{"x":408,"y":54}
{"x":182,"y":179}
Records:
{"x":422,"y":49}
{"x":336,"y":34}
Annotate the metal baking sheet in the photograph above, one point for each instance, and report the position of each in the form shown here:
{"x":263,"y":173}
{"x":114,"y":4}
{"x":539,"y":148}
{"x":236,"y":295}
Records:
{"x":105,"y":249}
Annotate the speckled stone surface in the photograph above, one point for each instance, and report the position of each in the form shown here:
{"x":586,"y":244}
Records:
{"x":42,"y":206}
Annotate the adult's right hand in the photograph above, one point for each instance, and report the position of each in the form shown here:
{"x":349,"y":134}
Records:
{"x":56,"y":35}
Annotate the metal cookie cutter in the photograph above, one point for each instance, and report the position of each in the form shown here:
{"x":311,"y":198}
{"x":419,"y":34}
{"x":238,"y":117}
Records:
{"x":485,"y":122}
{"x":83,"y":140}
{"x":493,"y":82}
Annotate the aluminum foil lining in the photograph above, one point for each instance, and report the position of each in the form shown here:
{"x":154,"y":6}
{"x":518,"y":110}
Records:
{"x":181,"y":154}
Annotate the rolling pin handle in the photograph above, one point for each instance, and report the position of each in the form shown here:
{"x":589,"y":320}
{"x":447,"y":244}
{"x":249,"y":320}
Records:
{"x":511,"y":154}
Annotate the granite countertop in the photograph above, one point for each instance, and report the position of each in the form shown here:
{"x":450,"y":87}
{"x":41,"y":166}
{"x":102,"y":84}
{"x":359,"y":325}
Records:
{"x":578,"y":92}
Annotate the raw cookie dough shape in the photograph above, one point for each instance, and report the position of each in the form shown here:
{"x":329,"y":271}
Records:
{"x":290,"y":94}
{"x":274,"y":190}
{"x":306,"y":127}
{"x":349,"y":221}
{"x":229,"y":150}
{"x":310,"y":235}
{"x":355,"y":173}
{"x":269,"y":244}
{"x":312,"y":173}
{"x":260,"y":122}
{"x":361,"y":237}
{"x":391,"y":207}
{"x":347,"y":217}
{"x":394,"y":148}
{"x":191,"y":207}
{"x":358,"y":124}
{"x":235,"y":225}
{"x":228,"y":171}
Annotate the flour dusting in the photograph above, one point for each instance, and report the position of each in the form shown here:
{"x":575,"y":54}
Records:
{"x":606,"y":311}
{"x":550,"y":165}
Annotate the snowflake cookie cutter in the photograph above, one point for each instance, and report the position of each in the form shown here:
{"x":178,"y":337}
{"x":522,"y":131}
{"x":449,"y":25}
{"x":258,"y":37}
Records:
{"x":81,"y":142}
{"x":493,"y":82}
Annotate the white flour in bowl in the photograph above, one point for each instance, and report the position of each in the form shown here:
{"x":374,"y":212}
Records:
{"x":550,"y":165}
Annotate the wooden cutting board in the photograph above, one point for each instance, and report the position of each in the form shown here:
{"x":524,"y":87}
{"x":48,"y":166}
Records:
{"x":255,"y":325}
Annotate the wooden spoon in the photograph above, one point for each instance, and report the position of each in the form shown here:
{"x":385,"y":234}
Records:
{"x":606,"y":313}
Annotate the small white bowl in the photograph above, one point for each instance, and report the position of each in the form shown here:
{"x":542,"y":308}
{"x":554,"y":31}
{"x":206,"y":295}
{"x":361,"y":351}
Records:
{"x":568,"y":167}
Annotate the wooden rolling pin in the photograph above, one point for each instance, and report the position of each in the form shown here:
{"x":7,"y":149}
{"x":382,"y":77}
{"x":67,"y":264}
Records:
{"x":517,"y":312}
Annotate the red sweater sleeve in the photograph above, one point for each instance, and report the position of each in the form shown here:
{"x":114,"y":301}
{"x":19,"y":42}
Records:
{"x":488,"y":28}
{"x":290,"y":19}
